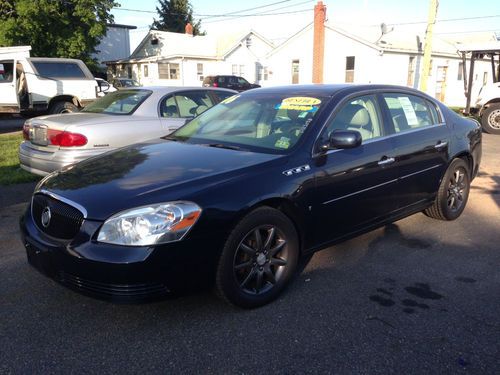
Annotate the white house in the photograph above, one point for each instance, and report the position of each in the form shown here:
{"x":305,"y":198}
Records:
{"x":167,"y":58}
{"x":367,"y":56}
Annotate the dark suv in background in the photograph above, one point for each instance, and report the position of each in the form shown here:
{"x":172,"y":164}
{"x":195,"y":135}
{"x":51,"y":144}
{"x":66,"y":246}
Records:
{"x":229,"y":82}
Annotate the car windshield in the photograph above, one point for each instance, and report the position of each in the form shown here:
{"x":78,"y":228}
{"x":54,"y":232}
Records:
{"x":267,"y":123}
{"x":129,"y":83}
{"x":122,"y":102}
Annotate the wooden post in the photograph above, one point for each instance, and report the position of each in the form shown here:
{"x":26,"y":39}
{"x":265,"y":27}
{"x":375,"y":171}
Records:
{"x":428,"y":44}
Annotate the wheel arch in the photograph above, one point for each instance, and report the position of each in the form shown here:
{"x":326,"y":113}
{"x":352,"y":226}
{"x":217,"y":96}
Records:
{"x":468,"y":158}
{"x":288,"y":209}
{"x":65,"y":98}
{"x":487,"y":104}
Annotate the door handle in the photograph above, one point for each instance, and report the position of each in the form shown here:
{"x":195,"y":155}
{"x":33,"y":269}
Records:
{"x":386,"y":161}
{"x":441,"y":145}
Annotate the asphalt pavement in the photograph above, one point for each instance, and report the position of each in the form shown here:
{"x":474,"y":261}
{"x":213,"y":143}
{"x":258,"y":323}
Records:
{"x":418,"y":296}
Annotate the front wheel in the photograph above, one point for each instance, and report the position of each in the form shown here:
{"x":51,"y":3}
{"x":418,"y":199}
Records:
{"x":258,"y":259}
{"x":490,"y":119}
{"x":453,"y":192}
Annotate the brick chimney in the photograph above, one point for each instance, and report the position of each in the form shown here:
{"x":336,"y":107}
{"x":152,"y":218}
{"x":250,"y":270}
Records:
{"x":318,"y":42}
{"x":189,"y":29}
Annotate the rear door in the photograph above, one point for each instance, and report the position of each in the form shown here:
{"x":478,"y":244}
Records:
{"x":354,"y":187}
{"x":8,"y":93}
{"x":421,"y":140}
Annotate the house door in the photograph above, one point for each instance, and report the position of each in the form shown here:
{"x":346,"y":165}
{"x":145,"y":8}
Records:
{"x":441,"y":82}
{"x":295,"y":71}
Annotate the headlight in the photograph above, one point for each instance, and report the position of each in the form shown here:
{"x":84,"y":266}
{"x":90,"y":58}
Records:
{"x":150,"y":225}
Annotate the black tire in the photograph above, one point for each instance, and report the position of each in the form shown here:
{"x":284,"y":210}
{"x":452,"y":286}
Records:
{"x":453,"y":192}
{"x":490,"y":119}
{"x":62,"y":107}
{"x":259,"y":259}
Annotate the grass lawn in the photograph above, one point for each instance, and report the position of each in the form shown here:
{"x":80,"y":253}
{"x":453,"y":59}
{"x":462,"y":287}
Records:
{"x":10,"y":172}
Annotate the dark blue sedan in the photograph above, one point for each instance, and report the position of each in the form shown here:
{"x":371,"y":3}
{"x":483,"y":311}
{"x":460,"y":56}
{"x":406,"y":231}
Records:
{"x":242,"y":194}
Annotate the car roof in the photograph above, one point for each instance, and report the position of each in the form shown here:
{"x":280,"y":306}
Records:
{"x":329,"y":89}
{"x":168,"y":89}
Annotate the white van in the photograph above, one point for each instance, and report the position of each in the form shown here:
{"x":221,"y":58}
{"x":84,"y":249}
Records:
{"x":45,"y":85}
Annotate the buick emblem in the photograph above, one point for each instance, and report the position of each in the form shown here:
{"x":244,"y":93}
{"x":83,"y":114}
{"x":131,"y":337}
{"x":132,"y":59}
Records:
{"x":46,"y":215}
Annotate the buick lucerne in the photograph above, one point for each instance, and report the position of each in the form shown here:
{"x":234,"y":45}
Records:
{"x":247,"y":190}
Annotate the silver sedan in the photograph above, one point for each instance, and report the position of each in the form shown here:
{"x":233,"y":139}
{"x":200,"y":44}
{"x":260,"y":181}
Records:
{"x":116,"y":120}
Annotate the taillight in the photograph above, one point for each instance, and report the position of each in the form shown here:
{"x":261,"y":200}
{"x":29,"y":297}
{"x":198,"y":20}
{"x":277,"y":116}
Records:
{"x":26,"y":132}
{"x":65,"y":139}
{"x":216,"y":84}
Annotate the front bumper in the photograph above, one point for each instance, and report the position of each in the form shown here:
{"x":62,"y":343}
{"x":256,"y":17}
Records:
{"x":118,"y":273}
{"x":43,"y":162}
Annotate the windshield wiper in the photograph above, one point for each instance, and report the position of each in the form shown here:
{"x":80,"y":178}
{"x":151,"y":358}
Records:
{"x":168,"y":138}
{"x":221,"y":145}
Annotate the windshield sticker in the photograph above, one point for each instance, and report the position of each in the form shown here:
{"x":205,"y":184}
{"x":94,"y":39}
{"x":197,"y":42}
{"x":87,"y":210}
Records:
{"x":283,"y":142}
{"x":299,"y":103}
{"x":411,"y":117}
{"x":230,"y":99}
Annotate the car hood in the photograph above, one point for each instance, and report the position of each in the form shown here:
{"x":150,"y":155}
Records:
{"x":81,"y":119}
{"x":151,"y":172}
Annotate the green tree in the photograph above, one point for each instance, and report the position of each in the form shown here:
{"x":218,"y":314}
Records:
{"x":174,"y":15}
{"x":56,"y":28}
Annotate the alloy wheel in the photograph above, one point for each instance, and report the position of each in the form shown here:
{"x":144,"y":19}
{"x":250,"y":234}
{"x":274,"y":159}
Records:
{"x":456,"y":189}
{"x":494,"y":119}
{"x":260,"y":259}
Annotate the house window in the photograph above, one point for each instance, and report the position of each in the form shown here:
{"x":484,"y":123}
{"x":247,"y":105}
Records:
{"x":234,"y":70}
{"x":485,"y":78}
{"x":242,"y":70}
{"x":349,"y":69}
{"x":129,"y":71}
{"x":263,"y":73}
{"x":248,"y":42}
{"x":168,"y":70}
{"x":460,"y":75}
{"x":146,"y":70}
{"x":199,"y":71}
{"x":411,"y":71}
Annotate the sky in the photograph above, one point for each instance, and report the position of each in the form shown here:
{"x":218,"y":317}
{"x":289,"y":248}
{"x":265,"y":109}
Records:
{"x":345,"y":14}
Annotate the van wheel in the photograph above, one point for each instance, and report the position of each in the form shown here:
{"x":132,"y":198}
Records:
{"x":62,"y":107}
{"x":490,"y":119}
{"x":453,"y":192}
{"x":259,"y":259}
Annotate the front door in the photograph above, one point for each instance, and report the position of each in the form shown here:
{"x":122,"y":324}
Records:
{"x":421,"y":146}
{"x":354,"y":186}
{"x":8,"y":93}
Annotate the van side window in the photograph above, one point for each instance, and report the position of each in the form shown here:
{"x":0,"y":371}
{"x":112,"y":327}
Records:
{"x":6,"y":71}
{"x":58,"y":69}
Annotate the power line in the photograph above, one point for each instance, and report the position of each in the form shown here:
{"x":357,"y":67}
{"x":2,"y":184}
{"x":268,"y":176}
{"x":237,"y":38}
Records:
{"x":259,"y":7}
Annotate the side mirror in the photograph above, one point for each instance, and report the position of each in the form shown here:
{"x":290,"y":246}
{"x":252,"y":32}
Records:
{"x":340,"y":139}
{"x":104,"y":86}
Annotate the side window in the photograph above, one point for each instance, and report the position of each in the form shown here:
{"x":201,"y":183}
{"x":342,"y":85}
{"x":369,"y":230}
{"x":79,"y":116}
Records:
{"x":192,"y":104}
{"x":168,"y":108}
{"x":59,"y":69}
{"x":6,"y":71}
{"x":410,"y":112}
{"x":361,"y":114}
{"x":221,"y":95}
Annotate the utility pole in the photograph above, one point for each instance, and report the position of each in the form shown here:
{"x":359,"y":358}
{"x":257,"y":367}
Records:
{"x":428,"y":44}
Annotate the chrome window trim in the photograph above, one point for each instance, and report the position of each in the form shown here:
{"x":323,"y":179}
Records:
{"x":383,"y":137}
{"x":59,"y":198}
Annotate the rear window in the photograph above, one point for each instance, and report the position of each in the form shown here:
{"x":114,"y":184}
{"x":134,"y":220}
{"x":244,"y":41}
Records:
{"x":123,"y":102}
{"x":58,"y":69}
